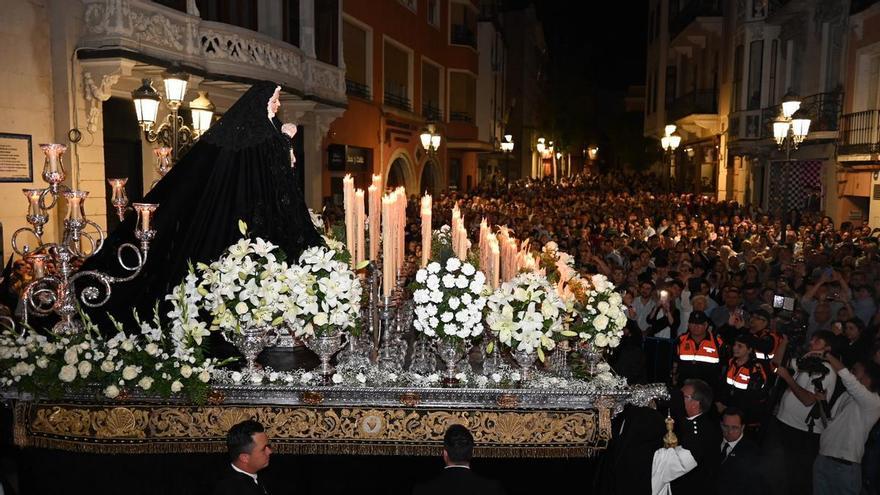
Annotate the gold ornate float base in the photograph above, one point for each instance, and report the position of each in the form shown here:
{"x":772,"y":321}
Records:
{"x":155,"y":428}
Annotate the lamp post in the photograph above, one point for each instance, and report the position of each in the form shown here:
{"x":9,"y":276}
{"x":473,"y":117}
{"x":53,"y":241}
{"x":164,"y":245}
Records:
{"x":791,"y":126}
{"x":173,"y":132}
{"x":507,"y":148}
{"x":670,"y":142}
{"x":430,"y":140}
{"x":592,"y":154}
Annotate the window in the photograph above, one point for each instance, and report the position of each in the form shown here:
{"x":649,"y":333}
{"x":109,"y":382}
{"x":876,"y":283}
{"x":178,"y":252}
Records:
{"x":463,"y":25}
{"x":396,"y":77}
{"x":354,"y":39}
{"x":736,"y":97}
{"x":434,"y":12}
{"x":327,"y":31}
{"x":242,"y":14}
{"x":462,"y":97}
{"x":291,"y":22}
{"x":756,"y":64}
{"x":431,"y":92}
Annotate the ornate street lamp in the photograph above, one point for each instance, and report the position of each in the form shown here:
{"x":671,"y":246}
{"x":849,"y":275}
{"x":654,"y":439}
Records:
{"x":173,"y":132}
{"x":792,"y":125}
{"x":507,"y":147}
{"x":430,"y":139}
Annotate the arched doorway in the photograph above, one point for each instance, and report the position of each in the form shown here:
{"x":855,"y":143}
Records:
{"x":429,"y":182}
{"x":396,"y":174}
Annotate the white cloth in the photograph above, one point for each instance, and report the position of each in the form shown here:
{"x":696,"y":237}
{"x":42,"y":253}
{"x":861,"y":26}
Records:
{"x":792,"y":411}
{"x":853,"y":415}
{"x":669,"y":465}
{"x":252,"y":475}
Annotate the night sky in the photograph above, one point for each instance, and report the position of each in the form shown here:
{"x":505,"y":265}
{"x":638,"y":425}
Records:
{"x":602,"y":43}
{"x":596,"y":51}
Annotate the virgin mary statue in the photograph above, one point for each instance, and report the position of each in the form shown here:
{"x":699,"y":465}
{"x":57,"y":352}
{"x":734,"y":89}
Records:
{"x":240,"y":169}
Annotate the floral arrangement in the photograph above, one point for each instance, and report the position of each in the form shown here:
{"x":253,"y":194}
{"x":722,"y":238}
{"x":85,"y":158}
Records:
{"x":326,"y":291}
{"x":599,"y":311}
{"x":526,"y":314}
{"x":149,"y":360}
{"x":449,"y":300}
{"x":249,"y":285}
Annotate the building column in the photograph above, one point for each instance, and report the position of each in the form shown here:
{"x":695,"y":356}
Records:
{"x":315,"y":123}
{"x":271,"y":18}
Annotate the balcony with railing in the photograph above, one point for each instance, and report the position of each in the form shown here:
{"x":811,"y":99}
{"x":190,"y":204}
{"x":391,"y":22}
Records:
{"x":397,"y":100}
{"x":461,"y":116}
{"x":700,"y":102}
{"x":463,"y":35}
{"x":823,"y":110}
{"x":688,"y":11}
{"x":860,"y":134}
{"x":147,"y":31}
{"x":431,"y":112}
{"x":354,"y":88}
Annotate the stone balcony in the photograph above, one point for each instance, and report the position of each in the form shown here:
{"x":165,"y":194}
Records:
{"x":149,"y":32}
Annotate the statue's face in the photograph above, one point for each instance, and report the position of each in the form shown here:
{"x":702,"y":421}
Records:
{"x":274,"y":102}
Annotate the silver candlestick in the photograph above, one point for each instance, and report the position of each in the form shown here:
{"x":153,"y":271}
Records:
{"x":56,"y":292}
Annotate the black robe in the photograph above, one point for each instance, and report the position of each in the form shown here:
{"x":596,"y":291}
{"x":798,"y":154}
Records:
{"x":238,"y":170}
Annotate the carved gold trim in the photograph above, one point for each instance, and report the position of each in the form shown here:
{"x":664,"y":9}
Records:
{"x":410,"y":399}
{"x":155,"y":428}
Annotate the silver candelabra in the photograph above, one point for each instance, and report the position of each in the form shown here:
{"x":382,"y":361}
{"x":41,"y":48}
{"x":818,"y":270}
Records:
{"x":55,"y":292}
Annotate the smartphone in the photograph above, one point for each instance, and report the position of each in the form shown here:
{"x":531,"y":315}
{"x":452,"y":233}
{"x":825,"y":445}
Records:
{"x":664,"y":295}
{"x":782,"y":302}
{"x":778,"y":301}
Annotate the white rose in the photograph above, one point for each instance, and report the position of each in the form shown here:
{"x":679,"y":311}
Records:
{"x":42,"y":362}
{"x":468,"y":269}
{"x":176,"y":386}
{"x":600,"y":322}
{"x":421,"y":276}
{"x":107,"y":367}
{"x":433,"y":267}
{"x":130,"y":372}
{"x":49,"y":348}
{"x":71,"y":355}
{"x":337,"y":378}
{"x":185,"y":371}
{"x":152,"y":349}
{"x":67,"y":373}
{"x":204,"y":376}
{"x":127,"y":346}
{"x":601,"y":340}
{"x":256,"y":379}
{"x":111,"y":392}
{"x":613,"y":342}
{"x":306,"y":377}
{"x":603,"y":307}
{"x":496,"y":377}
{"x":85,"y":368}
{"x":241,"y":308}
{"x":321,"y":319}
{"x":145,"y":383}
{"x":453,"y":264}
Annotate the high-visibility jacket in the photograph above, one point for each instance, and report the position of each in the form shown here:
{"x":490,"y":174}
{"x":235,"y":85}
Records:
{"x":707,"y":351}
{"x":741,"y":377}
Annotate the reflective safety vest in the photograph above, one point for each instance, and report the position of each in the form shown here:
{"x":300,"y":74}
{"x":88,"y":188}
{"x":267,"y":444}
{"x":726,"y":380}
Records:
{"x":739,"y":377}
{"x":707,"y":351}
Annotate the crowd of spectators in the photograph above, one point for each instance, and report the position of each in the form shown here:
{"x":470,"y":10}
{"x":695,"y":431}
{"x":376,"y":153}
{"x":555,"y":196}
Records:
{"x":776,"y":311}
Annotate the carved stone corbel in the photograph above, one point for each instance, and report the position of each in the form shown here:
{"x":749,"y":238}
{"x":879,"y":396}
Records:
{"x":95,"y":95}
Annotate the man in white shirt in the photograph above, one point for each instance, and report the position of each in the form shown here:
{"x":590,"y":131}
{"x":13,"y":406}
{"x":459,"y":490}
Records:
{"x":644,"y":304}
{"x":838,"y":468}
{"x":799,"y":421}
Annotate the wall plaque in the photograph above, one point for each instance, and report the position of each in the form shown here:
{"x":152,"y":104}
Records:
{"x":16,"y":158}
